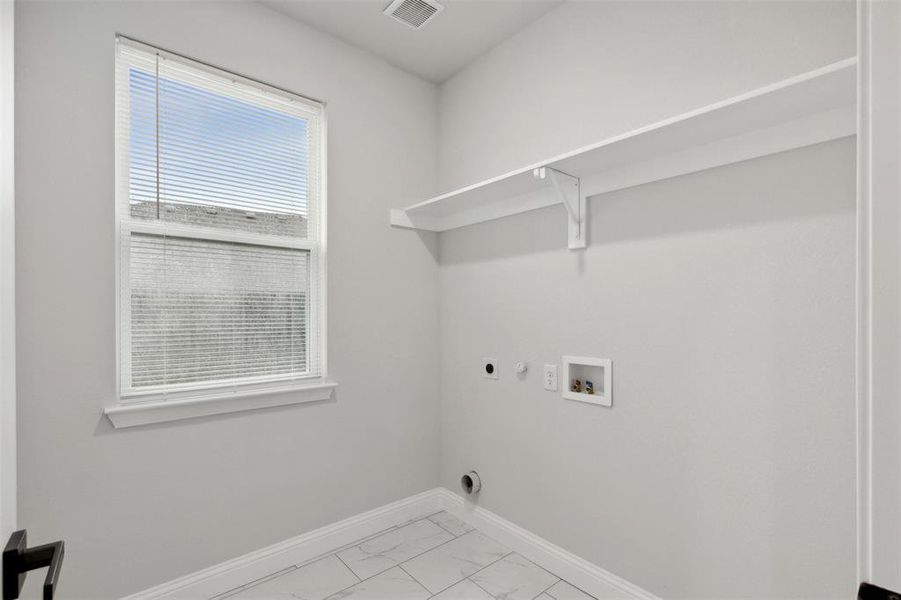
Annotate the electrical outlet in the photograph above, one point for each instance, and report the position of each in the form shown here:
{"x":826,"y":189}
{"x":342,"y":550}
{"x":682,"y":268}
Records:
{"x":489,"y":368}
{"x":550,"y":378}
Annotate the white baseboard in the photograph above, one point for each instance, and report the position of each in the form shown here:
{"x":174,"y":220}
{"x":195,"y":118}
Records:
{"x":234,"y":573}
{"x":588,"y":576}
{"x":230,"y":574}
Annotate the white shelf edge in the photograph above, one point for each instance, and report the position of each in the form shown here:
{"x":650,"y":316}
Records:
{"x":808,"y":130}
{"x":762,"y":91}
{"x":815,"y":129}
{"x":159,"y":411}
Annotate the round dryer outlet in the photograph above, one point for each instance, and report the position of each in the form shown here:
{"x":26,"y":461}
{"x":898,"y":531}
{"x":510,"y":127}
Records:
{"x":489,"y":368}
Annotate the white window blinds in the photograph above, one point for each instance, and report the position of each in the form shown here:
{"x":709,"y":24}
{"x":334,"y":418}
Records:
{"x":220,"y":217}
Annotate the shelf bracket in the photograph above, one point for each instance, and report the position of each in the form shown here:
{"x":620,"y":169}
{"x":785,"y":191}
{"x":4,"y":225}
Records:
{"x":569,"y":188}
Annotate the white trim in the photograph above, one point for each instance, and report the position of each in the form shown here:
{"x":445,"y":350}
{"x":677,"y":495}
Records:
{"x":291,"y":97}
{"x":254,"y":565}
{"x":603,"y":396}
{"x":879,"y":294}
{"x":583,"y":574}
{"x":225,"y":387}
{"x":218,"y":402}
{"x":806,"y":109}
{"x":197,"y":232}
{"x":245,"y":569}
{"x":7,"y":276}
{"x":862,"y":284}
{"x":217,"y":396}
{"x":319,"y":260}
{"x":806,"y":131}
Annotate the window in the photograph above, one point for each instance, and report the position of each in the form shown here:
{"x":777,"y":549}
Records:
{"x":220,"y":212}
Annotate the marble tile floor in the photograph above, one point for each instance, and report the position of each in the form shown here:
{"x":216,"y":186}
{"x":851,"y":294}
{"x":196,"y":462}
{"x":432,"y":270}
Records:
{"x":437,"y":556}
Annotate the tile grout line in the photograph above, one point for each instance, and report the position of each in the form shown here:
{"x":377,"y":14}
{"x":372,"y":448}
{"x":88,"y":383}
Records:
{"x":421,"y":584}
{"x":559,"y":579}
{"x":344,"y":589}
{"x":258,"y":581}
{"x":414,"y":556}
{"x":545,"y":590}
{"x":471,"y":528}
{"x":476,"y":583}
{"x":363,"y":540}
{"x":261,"y":580}
{"x":354,"y":543}
{"x":396,"y":565}
{"x":570,"y":585}
{"x":473,"y":573}
{"x":400,"y":565}
{"x":347,"y":566}
{"x":324,"y":555}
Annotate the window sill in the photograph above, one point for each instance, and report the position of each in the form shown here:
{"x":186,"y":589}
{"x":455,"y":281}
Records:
{"x":160,"y":411}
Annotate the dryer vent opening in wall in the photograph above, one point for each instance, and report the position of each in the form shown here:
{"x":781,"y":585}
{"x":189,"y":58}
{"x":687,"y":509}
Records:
{"x":471,"y":483}
{"x":413,"y":13}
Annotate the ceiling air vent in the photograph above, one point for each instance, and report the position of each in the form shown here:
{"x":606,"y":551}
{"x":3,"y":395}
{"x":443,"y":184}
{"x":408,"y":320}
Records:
{"x":413,"y":13}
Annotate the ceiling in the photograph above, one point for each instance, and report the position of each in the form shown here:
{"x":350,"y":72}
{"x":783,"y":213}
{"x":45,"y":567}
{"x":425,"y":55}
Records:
{"x":457,"y":35}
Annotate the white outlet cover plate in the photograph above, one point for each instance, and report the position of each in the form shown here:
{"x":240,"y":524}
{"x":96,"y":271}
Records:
{"x":550,"y":378}
{"x":489,"y":361}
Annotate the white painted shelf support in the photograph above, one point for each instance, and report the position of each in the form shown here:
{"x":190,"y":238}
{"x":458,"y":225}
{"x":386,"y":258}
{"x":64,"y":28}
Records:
{"x":809,"y":108}
{"x":569,"y":188}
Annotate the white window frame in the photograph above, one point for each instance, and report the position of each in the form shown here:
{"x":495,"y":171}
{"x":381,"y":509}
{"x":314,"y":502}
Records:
{"x":171,"y":402}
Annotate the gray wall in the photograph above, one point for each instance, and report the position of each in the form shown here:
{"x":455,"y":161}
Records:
{"x":7,"y":276}
{"x":589,"y":70}
{"x":880,"y":183}
{"x":725,"y":299}
{"x":141,"y":506}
